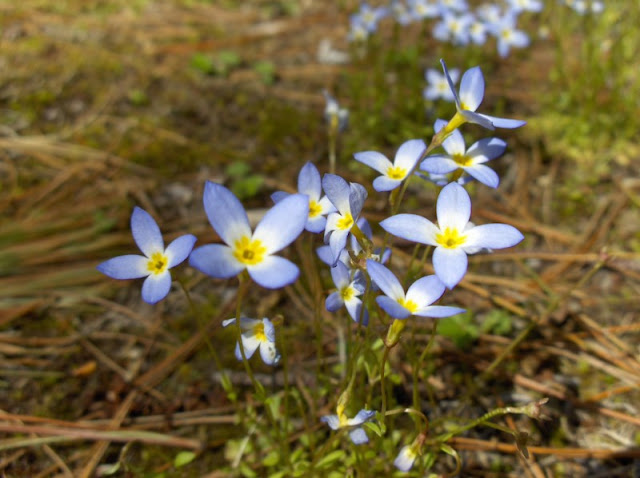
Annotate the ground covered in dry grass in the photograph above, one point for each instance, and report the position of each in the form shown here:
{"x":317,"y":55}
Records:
{"x":107,"y":105}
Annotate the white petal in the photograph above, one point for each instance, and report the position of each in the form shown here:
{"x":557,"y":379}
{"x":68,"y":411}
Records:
{"x":453,"y":207}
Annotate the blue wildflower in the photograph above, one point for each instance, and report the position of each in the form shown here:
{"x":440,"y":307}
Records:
{"x":281,"y":225}
{"x":454,"y":237}
{"x":156,"y":261}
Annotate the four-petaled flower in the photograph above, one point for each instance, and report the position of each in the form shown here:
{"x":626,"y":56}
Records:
{"x":256,"y":334}
{"x":336,"y":117}
{"x":468,"y":100}
{"x":309,"y":183}
{"x":246,"y":250}
{"x":348,"y":199}
{"x":454,"y":237}
{"x":356,"y":433}
{"x":418,"y":299}
{"x":155,"y":263}
{"x":394,"y":173}
{"x":469,"y":160}
{"x":347,"y":294}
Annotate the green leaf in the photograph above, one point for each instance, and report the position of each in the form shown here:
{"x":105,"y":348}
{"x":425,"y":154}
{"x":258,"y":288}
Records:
{"x":183,"y":458}
{"x":203,"y":63}
{"x":460,"y":329}
{"x":271,"y":459}
{"x":497,"y":322}
{"x":330,"y":458}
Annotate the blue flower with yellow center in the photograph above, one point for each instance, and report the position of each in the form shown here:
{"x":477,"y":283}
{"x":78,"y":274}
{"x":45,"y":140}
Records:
{"x":156,"y":261}
{"x":244,"y":249}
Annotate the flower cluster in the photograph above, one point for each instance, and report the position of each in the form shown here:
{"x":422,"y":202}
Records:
{"x":333,"y":207}
{"x":458,"y":23}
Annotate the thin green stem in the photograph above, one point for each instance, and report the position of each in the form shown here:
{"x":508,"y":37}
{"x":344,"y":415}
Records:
{"x":243,"y":286}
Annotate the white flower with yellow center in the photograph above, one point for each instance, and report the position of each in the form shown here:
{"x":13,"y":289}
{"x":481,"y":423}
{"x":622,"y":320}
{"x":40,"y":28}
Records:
{"x":468,"y":100}
{"x":280,"y":226}
{"x":454,"y":237}
{"x":471,"y":160}
{"x":257,"y":334}
{"x":347,"y":294}
{"x":356,"y":432}
{"x":348,"y":199}
{"x":418,"y":299}
{"x":155,"y":263}
{"x":394,"y":173}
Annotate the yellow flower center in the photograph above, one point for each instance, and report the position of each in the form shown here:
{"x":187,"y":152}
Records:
{"x":347,"y":293}
{"x":258,"y":332}
{"x":249,"y":252}
{"x":157,"y":264}
{"x":410,"y":305}
{"x":345,"y":222}
{"x":314,"y":208}
{"x":450,"y":238}
{"x":396,"y":172}
{"x":462,"y":159}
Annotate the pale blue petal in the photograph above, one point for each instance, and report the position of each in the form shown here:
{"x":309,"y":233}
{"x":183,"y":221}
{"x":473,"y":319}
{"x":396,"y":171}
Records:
{"x":250,"y":344}
{"x":269,"y":330}
{"x":225,"y":213}
{"x":404,"y":460}
{"x":340,"y":275}
{"x":309,"y":181}
{"x":274,"y":272}
{"x":338,"y":242}
{"x":325,"y":255}
{"x":179,"y":249}
{"x":362,"y":416}
{"x":450,"y":82}
{"x":279,"y":196}
{"x":384,"y":184}
{"x":450,"y":265}
{"x":409,"y":153}
{"x":337,"y":190}
{"x":216,"y":260}
{"x":478,"y":118}
{"x":357,"y":196}
{"x":454,"y":144}
{"x":375,"y":160}
{"x":502,"y":122}
{"x":392,"y":308}
{"x":439,"y":164}
{"x":453,"y":207}
{"x":484,"y":174}
{"x":486,"y":149}
{"x":385,"y":279}
{"x":146,"y":232}
{"x":438,"y":311}
{"x":358,"y":436}
{"x":326,"y":206}
{"x":472,"y":89}
{"x":332,"y":420}
{"x":355,"y":309}
{"x":412,"y":228}
{"x":228,"y":322}
{"x":493,"y":236}
{"x":334,"y":302}
{"x":316,"y":224}
{"x":283,"y":223}
{"x":131,"y":266}
{"x":156,"y":287}
{"x":425,"y":291}
{"x":439,"y":124}
{"x":269,"y":353}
